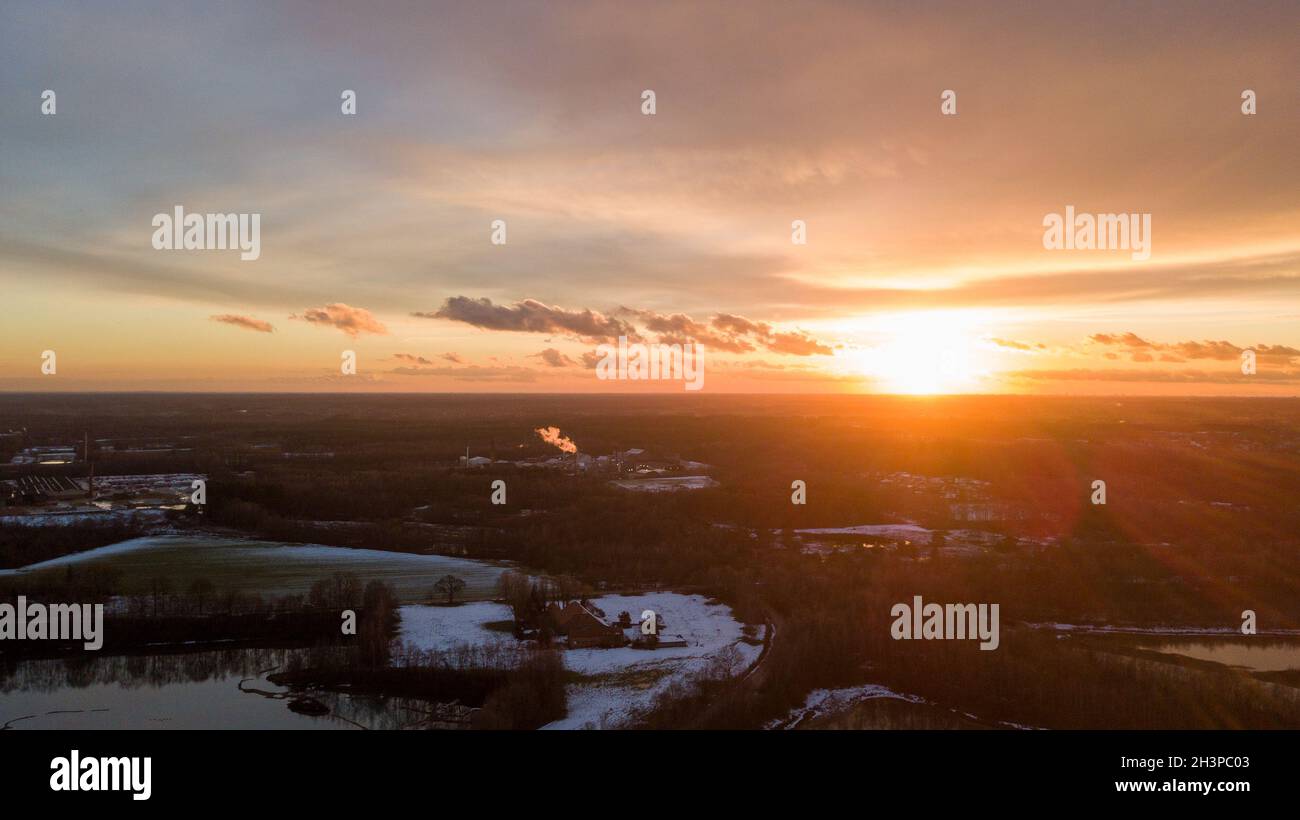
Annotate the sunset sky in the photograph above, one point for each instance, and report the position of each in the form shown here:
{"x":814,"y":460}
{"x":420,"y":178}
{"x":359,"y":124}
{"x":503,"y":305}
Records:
{"x":924,"y":268}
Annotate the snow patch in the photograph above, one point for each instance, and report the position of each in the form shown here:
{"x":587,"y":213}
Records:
{"x":1105,"y":629}
{"x":619,"y":683}
{"x":828,"y":701}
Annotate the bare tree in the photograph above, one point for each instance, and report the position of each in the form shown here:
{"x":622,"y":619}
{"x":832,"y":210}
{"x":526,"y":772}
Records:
{"x":158,"y":589}
{"x":515,"y":589}
{"x":200,"y":590}
{"x":570,"y":587}
{"x":342,"y":590}
{"x":449,"y":585}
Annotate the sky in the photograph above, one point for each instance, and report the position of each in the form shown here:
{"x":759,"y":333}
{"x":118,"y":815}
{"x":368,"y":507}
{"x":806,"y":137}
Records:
{"x":924,"y":267}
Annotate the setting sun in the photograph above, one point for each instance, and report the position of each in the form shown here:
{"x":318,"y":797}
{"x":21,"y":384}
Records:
{"x":926,"y":353}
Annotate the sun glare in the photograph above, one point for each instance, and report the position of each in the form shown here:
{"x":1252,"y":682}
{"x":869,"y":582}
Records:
{"x":925,"y":353}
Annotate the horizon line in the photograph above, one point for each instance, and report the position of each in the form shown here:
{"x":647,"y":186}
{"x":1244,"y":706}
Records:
{"x":665,"y":393}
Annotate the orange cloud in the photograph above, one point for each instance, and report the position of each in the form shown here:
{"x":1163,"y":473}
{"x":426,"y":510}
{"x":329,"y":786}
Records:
{"x":246,"y":322}
{"x":1025,"y":347}
{"x":351,"y":320}
{"x":1143,"y":350}
{"x":1166,"y":376}
{"x":553,"y":358}
{"x":737,"y":334}
{"x":412,"y":358}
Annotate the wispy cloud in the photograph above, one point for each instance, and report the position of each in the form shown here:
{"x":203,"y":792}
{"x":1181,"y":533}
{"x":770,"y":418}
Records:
{"x":1157,"y":376}
{"x":1144,"y":350}
{"x":246,"y":322}
{"x":1024,"y":347}
{"x":472,"y":373}
{"x":553,"y":358}
{"x":412,"y":358}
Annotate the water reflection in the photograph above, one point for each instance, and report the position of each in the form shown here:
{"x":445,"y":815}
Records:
{"x":1255,"y":654}
{"x":195,"y":690}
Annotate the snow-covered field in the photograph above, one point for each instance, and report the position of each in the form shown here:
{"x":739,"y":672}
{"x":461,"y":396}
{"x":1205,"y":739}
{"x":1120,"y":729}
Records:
{"x":909,"y":532}
{"x":440,"y":628}
{"x":269,"y":568}
{"x":660,"y":485}
{"x":617,"y":682}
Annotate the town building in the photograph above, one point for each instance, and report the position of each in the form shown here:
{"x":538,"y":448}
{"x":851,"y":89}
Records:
{"x":37,"y":489}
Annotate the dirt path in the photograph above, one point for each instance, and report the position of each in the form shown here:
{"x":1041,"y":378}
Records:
{"x":753,"y":679}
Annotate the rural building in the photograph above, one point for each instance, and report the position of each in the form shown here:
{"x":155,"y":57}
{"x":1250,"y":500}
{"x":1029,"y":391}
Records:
{"x":660,"y":641}
{"x":582,"y":628}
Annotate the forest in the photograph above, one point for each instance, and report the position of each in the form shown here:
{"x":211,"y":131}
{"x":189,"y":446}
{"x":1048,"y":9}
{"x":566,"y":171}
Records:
{"x":1199,"y":524}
